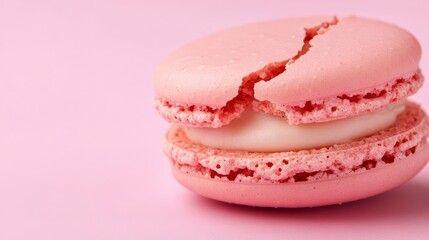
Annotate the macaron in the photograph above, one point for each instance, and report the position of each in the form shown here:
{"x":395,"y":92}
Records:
{"x":295,"y":112}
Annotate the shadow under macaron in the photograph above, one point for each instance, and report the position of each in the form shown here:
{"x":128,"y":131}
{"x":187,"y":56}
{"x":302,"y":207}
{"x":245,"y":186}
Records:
{"x":408,"y":201}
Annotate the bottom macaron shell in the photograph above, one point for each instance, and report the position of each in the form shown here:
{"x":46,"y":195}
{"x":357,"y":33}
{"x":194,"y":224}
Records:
{"x":312,"y":193}
{"x":305,"y":178}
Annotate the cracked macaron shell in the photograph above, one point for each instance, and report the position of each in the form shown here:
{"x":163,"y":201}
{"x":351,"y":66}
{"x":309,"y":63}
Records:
{"x":209,"y":71}
{"x":356,"y":54}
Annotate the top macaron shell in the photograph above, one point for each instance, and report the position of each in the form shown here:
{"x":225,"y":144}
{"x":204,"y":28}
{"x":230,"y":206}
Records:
{"x":354,"y":54}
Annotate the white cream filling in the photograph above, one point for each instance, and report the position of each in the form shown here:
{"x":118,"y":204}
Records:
{"x":260,"y":132}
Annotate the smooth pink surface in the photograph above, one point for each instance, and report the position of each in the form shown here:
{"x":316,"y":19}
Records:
{"x":80,"y":154}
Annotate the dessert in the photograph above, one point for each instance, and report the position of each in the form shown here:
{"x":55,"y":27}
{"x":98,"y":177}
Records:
{"x":297,"y":112}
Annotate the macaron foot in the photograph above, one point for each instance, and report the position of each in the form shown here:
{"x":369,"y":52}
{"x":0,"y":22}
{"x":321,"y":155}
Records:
{"x":308,"y":194}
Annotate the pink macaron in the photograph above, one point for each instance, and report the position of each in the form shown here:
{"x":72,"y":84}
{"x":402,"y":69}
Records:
{"x":297,"y":112}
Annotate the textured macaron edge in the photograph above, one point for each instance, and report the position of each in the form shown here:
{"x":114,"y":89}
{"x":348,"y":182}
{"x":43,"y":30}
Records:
{"x":406,"y":137}
{"x":344,"y":105}
{"x":317,"y":110}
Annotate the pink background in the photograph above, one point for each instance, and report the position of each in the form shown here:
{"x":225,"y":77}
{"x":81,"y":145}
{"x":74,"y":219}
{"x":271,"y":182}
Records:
{"x":80,"y":141}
